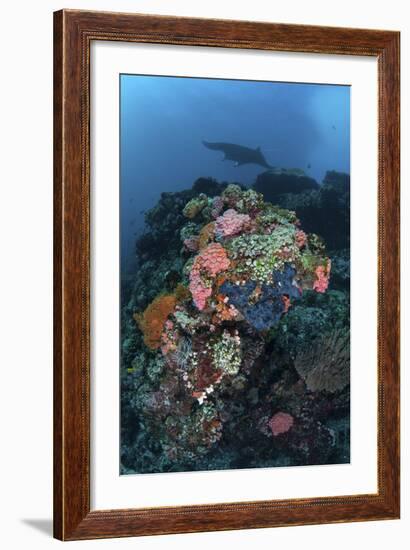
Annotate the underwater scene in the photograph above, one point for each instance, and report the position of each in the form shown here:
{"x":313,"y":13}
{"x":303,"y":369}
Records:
{"x":235,"y":274}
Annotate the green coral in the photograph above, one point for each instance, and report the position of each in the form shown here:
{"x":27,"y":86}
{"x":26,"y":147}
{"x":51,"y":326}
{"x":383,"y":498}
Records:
{"x":313,"y":316}
{"x":232,"y":193}
{"x":186,"y":321}
{"x":316,"y":243}
{"x":189,"y":230}
{"x":247,"y":201}
{"x":227,"y":354}
{"x":261,"y":254}
{"x":272,"y":214}
{"x":195,"y":206}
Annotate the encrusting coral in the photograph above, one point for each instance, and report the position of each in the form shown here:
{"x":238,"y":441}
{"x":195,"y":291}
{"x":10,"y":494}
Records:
{"x":207,"y":265}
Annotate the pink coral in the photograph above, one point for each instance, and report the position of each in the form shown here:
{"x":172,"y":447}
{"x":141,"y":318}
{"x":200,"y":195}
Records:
{"x":322,"y":277}
{"x":280,"y":423}
{"x":211,"y":261}
{"x":169,"y":338}
{"x":231,"y":223}
{"x":200,"y":293}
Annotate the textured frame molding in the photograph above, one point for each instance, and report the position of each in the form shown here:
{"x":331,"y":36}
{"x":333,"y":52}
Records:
{"x":73,"y":33}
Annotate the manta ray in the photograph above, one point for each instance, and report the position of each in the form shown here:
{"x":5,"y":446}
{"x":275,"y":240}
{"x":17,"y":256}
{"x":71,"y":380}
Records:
{"x":239,"y":154}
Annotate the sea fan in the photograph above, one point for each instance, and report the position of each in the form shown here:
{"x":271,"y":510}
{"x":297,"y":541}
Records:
{"x":326,"y":365}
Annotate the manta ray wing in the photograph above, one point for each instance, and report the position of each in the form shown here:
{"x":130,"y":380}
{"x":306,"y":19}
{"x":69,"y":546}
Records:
{"x":214,"y":146}
{"x":238,"y":153}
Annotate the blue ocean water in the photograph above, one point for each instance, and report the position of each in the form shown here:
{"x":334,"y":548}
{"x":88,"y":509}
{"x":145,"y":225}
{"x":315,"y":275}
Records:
{"x":164,"y":121}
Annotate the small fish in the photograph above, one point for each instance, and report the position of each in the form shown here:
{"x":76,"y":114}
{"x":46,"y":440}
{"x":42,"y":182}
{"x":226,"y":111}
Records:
{"x":333,"y":127}
{"x":142,"y":211}
{"x":309,"y":166}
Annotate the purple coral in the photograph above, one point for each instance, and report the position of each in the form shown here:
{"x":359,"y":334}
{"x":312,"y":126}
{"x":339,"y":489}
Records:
{"x":192,"y":243}
{"x":217,"y":206}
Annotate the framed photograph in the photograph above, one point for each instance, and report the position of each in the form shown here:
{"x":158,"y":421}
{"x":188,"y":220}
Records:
{"x":226,"y":275}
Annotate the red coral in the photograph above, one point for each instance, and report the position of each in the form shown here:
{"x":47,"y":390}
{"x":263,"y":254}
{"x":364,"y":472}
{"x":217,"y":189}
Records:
{"x":280,"y":423}
{"x":286,"y":302}
{"x":224,"y":311}
{"x":322,"y":277}
{"x":152,"y":321}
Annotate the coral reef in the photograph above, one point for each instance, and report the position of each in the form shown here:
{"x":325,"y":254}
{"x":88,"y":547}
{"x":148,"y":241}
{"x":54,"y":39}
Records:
{"x":272,"y":184}
{"x":235,"y":333}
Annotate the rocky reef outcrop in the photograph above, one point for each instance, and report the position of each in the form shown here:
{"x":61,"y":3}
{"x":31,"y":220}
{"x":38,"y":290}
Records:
{"x":226,"y":330}
{"x":323,"y":209}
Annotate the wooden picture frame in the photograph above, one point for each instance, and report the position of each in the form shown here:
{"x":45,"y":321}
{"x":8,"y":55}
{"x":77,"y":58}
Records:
{"x":74,"y":32}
